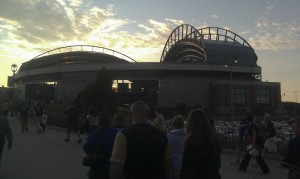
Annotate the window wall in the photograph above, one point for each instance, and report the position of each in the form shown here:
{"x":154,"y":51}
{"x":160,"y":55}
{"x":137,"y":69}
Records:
{"x":263,"y":95}
{"x":238,"y":94}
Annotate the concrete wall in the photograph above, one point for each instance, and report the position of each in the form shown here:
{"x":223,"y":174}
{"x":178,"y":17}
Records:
{"x":70,"y":84}
{"x":191,"y":90}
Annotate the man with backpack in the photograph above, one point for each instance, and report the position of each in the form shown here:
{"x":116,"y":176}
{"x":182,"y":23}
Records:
{"x":257,"y":145}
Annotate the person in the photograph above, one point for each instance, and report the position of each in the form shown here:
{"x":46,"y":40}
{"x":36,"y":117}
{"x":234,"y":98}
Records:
{"x":141,"y":151}
{"x":5,"y":108}
{"x":24,"y":117}
{"x":119,"y":121}
{"x":92,"y":120}
{"x":202,"y":151}
{"x":5,"y":133}
{"x":176,"y":139}
{"x":38,"y":112}
{"x":101,"y":139}
{"x":292,"y":158}
{"x":72,"y":122}
{"x":44,"y":120}
{"x":243,"y":124}
{"x":270,"y":144}
{"x":260,"y":129}
{"x":159,"y":120}
{"x":251,"y":134}
{"x":18,"y":106}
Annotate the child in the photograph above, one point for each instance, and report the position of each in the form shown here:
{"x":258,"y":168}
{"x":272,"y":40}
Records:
{"x":44,"y":120}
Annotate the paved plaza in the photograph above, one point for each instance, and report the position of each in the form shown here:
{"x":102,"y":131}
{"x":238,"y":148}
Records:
{"x":47,"y":156}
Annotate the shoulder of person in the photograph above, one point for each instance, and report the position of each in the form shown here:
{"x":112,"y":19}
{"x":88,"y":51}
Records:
{"x":4,"y":121}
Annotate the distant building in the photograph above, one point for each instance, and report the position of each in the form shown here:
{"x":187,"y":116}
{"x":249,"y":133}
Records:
{"x":211,"y":66}
{"x":5,"y":94}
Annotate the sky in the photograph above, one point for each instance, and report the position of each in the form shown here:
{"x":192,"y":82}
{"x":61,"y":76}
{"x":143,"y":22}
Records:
{"x":140,"y":29}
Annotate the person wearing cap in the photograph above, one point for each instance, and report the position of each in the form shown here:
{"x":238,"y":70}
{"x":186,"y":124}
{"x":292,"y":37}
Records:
{"x":292,"y":158}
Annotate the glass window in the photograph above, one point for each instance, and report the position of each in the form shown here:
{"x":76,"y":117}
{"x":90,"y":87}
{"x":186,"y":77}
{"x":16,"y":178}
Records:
{"x":238,"y":94}
{"x":263,"y":94}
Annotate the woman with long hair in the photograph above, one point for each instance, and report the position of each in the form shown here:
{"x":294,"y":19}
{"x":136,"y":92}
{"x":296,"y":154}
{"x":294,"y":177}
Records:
{"x":201,"y":157}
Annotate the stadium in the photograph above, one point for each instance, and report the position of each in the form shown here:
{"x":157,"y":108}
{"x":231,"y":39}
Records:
{"x":211,"y":66}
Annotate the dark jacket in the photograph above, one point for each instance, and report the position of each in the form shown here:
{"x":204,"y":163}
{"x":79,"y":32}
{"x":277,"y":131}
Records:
{"x":146,"y":147}
{"x":104,"y":139}
{"x":5,"y":130}
{"x":202,"y":161}
{"x":292,"y":158}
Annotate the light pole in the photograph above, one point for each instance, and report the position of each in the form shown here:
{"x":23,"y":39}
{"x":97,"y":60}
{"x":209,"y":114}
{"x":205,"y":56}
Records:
{"x":231,"y":98}
{"x":14,"y":68}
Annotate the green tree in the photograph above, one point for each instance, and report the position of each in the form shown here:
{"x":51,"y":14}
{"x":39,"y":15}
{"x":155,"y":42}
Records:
{"x":99,"y":94}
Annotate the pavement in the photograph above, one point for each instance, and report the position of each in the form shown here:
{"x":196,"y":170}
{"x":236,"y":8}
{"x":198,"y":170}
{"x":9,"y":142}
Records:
{"x":47,"y":156}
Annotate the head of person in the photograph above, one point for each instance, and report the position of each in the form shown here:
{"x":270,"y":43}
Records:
{"x":104,"y":119}
{"x":139,"y":111}
{"x":241,"y":114}
{"x":295,"y":124}
{"x":119,"y":119}
{"x":250,"y":118}
{"x":267,"y":117}
{"x":178,"y":122}
{"x":92,"y":111}
{"x":257,"y":120}
{"x":199,"y":126}
{"x":157,"y":110}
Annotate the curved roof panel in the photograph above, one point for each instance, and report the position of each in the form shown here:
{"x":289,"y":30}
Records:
{"x":215,"y":46}
{"x":73,"y":55}
{"x":180,"y":39}
{"x":221,"y":34}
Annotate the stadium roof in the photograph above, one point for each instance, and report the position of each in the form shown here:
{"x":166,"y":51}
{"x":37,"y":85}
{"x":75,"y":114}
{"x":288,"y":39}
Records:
{"x":186,"y":44}
{"x":77,"y":54}
{"x":211,"y":45}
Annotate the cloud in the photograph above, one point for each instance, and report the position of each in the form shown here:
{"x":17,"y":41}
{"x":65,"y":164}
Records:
{"x":270,"y":7}
{"x":36,"y":26}
{"x":160,"y":26}
{"x":262,"y":23}
{"x":149,"y":29}
{"x":226,"y":27}
{"x":75,"y":3}
{"x":271,"y":35}
{"x":40,"y":23}
{"x":214,"y":16}
{"x":205,"y":24}
{"x":175,"y":21}
{"x":244,"y":32}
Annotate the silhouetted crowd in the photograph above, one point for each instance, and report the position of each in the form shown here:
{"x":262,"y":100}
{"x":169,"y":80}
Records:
{"x":135,"y":147}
